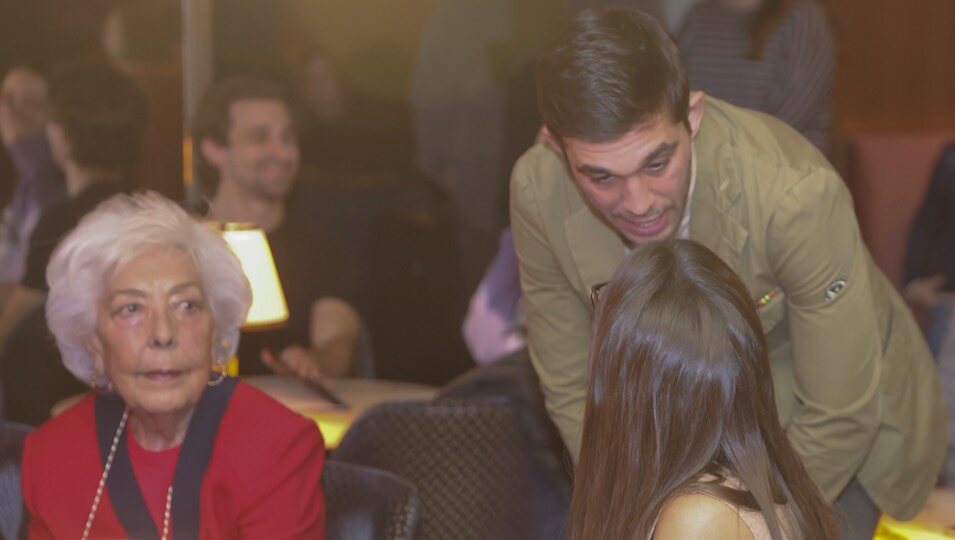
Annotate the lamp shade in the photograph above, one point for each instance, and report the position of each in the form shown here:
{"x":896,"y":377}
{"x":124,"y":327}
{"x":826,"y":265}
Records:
{"x":268,"y":300}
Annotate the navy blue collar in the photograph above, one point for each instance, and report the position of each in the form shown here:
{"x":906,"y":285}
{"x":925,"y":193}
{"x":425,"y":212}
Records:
{"x":124,"y":492}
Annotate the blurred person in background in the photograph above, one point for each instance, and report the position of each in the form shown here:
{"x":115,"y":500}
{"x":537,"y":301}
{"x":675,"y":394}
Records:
{"x":145,"y":304}
{"x":142,"y":38}
{"x":24,"y":108}
{"x":494,"y":324}
{"x":929,"y":273}
{"x":249,"y":161}
{"x":930,"y":281}
{"x":344,"y":132}
{"x":95,"y":124}
{"x":469,"y":128}
{"x":774,"y":56}
{"x":97,"y":120}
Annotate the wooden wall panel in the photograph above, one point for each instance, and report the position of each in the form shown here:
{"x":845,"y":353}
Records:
{"x":896,"y":63}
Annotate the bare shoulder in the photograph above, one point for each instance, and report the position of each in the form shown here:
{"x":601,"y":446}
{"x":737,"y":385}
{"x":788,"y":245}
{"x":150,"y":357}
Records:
{"x":699,"y":516}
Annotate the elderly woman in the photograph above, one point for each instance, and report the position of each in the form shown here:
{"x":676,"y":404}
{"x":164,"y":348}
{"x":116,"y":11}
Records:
{"x":145,"y":305}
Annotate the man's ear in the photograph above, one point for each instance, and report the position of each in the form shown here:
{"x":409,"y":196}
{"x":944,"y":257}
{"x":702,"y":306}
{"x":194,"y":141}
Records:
{"x":212,"y":151}
{"x":545,"y":135}
{"x":695,"y":113}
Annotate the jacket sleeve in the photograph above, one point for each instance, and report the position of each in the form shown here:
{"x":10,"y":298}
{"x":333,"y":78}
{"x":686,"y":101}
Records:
{"x":285,"y":497}
{"x":817,"y":254}
{"x":558,"y":322}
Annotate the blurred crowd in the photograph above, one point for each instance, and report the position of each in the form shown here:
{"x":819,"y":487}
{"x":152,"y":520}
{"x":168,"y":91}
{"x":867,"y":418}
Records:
{"x":377,"y":157}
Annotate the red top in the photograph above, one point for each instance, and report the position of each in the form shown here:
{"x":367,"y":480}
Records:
{"x":154,"y":473}
{"x":263,"y":481}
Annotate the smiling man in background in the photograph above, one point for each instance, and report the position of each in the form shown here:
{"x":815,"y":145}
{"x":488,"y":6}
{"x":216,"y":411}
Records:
{"x":249,"y":154}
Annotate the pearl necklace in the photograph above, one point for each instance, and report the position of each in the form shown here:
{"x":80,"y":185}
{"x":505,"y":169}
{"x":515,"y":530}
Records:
{"x":102,"y":484}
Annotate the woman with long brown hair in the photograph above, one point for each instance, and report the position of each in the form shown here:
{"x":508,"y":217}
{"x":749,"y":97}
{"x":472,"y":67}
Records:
{"x":680,"y":436}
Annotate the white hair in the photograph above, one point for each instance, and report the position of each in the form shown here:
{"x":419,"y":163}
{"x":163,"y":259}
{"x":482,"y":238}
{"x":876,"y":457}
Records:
{"x":117,"y":231}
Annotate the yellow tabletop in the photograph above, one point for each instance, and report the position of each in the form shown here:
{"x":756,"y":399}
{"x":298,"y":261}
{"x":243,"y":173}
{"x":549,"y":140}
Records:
{"x":935,"y":522}
{"x":358,"y":394}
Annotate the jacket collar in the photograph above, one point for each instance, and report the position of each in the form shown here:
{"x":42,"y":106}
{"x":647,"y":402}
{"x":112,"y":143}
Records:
{"x":714,"y":221}
{"x":596,"y":247}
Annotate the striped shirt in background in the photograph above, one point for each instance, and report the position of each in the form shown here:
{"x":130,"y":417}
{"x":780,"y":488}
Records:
{"x":791,"y":81}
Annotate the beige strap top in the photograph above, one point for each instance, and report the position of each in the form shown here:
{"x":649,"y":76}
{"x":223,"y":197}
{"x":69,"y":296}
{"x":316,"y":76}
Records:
{"x":753,"y":519}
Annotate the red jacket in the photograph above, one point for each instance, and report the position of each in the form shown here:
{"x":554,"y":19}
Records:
{"x":263,"y":480}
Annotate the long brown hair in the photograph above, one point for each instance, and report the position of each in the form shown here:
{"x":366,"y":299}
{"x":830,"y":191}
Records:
{"x":680,"y":387}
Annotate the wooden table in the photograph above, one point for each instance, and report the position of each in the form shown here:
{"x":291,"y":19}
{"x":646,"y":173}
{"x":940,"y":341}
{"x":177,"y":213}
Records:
{"x":358,"y":394}
{"x":333,"y":422}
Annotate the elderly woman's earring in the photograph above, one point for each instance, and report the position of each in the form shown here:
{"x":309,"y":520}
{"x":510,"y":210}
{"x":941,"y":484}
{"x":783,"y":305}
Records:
{"x":96,"y":379}
{"x":220,"y":370}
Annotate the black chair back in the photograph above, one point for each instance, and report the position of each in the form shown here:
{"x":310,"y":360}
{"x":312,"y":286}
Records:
{"x":514,"y":377}
{"x":368,"y":504}
{"x":471,"y":463}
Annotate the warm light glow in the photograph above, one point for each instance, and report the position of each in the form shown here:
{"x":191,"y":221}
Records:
{"x":890,"y":529}
{"x":332,"y":424}
{"x":268,"y":300}
{"x":187,"y":161}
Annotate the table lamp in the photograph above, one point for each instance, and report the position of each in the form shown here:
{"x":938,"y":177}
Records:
{"x":268,"y":309}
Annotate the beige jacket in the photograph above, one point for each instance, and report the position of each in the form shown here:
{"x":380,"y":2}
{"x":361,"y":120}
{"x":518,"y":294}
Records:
{"x":855,"y":383}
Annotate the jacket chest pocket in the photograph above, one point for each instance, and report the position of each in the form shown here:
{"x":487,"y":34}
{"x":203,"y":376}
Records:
{"x":771,"y":308}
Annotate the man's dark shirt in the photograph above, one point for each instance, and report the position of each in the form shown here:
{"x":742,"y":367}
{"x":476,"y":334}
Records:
{"x":313,"y":261}
{"x":58,"y":220}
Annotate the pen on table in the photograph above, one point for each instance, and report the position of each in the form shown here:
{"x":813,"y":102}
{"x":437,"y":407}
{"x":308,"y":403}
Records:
{"x":326,"y":393}
{"x":270,"y":359}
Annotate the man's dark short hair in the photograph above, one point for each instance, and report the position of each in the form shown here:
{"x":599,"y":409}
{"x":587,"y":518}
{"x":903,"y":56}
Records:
{"x":103,"y":114}
{"x":609,"y":71}
{"x":213,"y":117}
